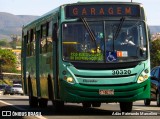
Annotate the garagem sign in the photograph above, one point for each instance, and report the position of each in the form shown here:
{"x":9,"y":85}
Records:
{"x":99,"y":10}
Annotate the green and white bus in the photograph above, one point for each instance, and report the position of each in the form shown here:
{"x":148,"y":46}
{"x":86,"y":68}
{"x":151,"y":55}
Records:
{"x":89,"y":53}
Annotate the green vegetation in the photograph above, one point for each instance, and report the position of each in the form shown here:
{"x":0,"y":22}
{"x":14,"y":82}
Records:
{"x":7,"y":60}
{"x":4,"y":43}
{"x":155,"y":53}
{"x":14,"y":43}
{"x":11,"y":44}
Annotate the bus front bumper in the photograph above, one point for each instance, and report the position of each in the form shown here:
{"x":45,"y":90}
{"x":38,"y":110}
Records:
{"x":90,"y":93}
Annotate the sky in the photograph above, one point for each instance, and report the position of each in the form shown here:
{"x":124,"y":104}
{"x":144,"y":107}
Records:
{"x":40,"y":7}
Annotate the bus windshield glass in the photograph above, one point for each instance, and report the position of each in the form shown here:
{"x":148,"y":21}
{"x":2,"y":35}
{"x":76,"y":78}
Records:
{"x":129,"y":45}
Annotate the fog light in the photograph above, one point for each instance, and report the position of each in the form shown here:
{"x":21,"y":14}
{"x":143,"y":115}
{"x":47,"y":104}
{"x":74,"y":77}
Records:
{"x":145,"y":76}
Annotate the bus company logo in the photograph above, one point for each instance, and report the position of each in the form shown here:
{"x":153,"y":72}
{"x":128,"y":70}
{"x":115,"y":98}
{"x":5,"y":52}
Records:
{"x":89,"y":81}
{"x":6,"y":113}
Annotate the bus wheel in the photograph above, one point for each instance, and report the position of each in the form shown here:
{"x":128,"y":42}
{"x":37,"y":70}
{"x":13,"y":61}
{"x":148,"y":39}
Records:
{"x":33,"y":101}
{"x":96,"y":104}
{"x":50,"y":88}
{"x":126,"y":106}
{"x":58,"y":105}
{"x":43,"y":102}
{"x":86,"y":104}
{"x":147,"y":102}
{"x":158,"y":99}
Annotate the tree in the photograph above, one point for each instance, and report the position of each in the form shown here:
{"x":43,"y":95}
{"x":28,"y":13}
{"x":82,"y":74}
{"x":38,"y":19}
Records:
{"x":15,"y":43}
{"x":4,"y":43}
{"x":8,"y":60}
{"x":155,"y":53}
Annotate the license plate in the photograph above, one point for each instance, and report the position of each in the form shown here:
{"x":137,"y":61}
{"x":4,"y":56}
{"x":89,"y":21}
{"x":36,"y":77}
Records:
{"x":106,"y":92}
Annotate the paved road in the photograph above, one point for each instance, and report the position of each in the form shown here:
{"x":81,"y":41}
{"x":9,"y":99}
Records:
{"x":75,"y":111}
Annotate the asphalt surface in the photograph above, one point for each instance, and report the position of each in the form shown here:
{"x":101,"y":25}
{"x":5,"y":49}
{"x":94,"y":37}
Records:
{"x":19,"y":105}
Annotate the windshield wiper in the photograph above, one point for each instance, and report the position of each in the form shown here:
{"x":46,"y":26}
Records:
{"x":89,"y":31}
{"x":119,"y":28}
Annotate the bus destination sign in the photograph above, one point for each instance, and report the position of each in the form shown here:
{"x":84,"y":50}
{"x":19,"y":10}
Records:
{"x":76,"y":11}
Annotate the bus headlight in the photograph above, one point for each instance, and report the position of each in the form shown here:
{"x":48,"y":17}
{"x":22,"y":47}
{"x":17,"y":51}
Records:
{"x":143,"y":76}
{"x":69,"y":79}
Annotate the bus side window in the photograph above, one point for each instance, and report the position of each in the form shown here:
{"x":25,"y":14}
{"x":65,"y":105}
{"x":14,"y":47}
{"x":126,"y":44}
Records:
{"x":49,"y":37}
{"x":32,"y":42}
{"x":43,"y":43}
{"x":38,"y":39}
{"x":28,"y":43}
{"x":24,"y":45}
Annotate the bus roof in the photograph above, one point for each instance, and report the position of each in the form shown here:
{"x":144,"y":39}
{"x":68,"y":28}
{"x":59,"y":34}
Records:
{"x":103,"y":2}
{"x":41,"y":18}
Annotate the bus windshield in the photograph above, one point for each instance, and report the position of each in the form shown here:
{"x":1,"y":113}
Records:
{"x":129,"y":45}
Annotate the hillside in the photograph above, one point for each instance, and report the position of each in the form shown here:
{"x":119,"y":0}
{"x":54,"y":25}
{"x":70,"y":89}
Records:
{"x":12,"y":24}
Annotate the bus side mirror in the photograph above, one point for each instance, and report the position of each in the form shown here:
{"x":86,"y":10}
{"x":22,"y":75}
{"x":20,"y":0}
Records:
{"x":149,"y":34}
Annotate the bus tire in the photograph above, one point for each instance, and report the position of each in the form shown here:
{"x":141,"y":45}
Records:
{"x":58,"y":105}
{"x":147,"y":102}
{"x":50,"y":88}
{"x":158,"y":99}
{"x":33,"y":101}
{"x":96,"y":104}
{"x":86,"y":105}
{"x":126,"y":106}
{"x":43,"y":103}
